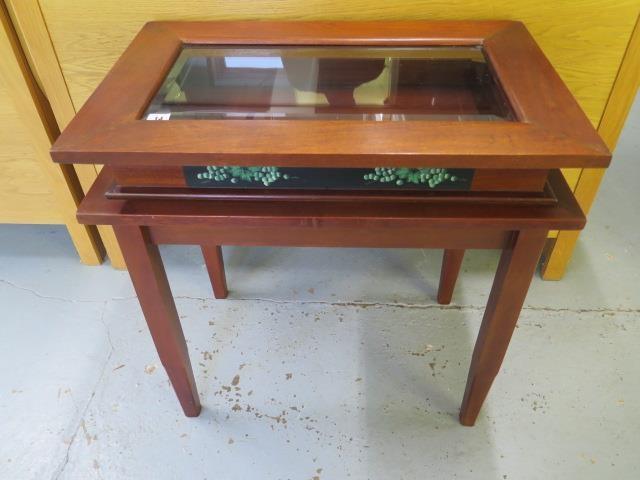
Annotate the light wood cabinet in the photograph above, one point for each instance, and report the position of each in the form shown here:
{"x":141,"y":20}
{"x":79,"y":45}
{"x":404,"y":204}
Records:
{"x":26,"y":195}
{"x":585,"y":40}
{"x":34,"y":190}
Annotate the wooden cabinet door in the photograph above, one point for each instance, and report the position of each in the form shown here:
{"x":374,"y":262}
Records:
{"x":34,"y":190}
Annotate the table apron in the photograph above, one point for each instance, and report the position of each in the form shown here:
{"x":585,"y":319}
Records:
{"x":332,"y":236}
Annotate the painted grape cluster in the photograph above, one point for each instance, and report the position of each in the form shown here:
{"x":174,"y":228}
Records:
{"x":426,"y":176}
{"x":265,"y":175}
{"x":321,"y":178}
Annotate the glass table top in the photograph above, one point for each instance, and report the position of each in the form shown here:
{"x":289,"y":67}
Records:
{"x":331,"y":83}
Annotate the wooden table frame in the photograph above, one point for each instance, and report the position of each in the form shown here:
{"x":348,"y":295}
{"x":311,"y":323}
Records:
{"x":519,"y":231}
{"x":549,"y":132}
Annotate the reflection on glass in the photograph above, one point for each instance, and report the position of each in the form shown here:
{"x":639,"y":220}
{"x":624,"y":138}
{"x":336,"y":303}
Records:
{"x":368,"y":83}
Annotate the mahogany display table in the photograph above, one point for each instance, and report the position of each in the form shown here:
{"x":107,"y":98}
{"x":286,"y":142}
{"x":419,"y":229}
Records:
{"x":333,"y":134}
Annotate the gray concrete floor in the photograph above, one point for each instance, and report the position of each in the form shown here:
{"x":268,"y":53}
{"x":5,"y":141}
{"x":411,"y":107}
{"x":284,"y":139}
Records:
{"x":347,"y":367}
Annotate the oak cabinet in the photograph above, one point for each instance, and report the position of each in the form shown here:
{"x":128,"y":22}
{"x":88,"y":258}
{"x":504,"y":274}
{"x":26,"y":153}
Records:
{"x":594,"y":46}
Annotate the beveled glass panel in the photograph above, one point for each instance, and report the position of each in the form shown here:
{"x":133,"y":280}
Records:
{"x":365,"y":83}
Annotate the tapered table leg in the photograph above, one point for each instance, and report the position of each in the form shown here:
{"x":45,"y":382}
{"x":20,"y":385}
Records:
{"x":215,"y":266}
{"x":451,"y":262}
{"x":510,"y":285}
{"x":151,"y":285}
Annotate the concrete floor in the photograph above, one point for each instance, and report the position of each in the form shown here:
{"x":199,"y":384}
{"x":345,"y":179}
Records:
{"x":347,"y":368}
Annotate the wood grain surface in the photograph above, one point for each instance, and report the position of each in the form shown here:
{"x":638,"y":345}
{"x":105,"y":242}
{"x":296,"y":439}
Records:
{"x":551,"y":130}
{"x":584,"y":39}
{"x":36,"y":43}
{"x":25,"y":196}
{"x":624,"y":91}
{"x":36,"y":119}
{"x":519,"y":231}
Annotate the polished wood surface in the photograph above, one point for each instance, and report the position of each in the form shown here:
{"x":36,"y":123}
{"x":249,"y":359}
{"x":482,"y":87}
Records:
{"x":551,"y":132}
{"x":118,"y":192}
{"x":552,"y":129}
{"x":519,"y":231}
{"x":97,"y":209}
{"x":585,"y":40}
{"x":215,"y":267}
{"x":451,"y":263}
{"x":510,"y":285}
{"x":154,"y":294}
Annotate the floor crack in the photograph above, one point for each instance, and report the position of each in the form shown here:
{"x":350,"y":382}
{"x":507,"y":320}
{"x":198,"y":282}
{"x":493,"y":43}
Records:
{"x":417,"y":306}
{"x":81,"y":422}
{"x":356,"y":304}
{"x":40,"y":295}
{"x":61,"y":299}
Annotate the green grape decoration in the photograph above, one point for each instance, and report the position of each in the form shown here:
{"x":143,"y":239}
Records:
{"x":264,"y":175}
{"x":418,"y":176}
